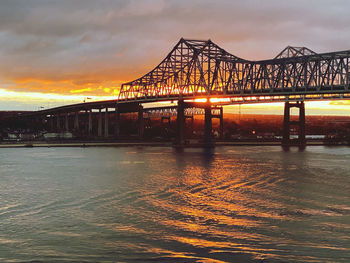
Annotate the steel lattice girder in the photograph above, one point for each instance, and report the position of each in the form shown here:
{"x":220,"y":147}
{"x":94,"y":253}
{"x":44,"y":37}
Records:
{"x":171,"y":111}
{"x":196,"y":68}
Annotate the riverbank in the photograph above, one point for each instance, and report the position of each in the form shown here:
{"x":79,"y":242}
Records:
{"x":30,"y":144}
{"x":81,"y":144}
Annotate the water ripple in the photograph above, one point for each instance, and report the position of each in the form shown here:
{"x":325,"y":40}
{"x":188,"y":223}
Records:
{"x":244,"y":204}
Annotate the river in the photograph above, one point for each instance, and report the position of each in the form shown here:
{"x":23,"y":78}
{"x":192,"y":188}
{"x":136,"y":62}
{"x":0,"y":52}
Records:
{"x":160,"y":204}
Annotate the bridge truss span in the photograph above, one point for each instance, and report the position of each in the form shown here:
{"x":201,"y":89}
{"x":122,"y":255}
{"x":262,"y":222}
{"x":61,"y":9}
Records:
{"x":202,"y":77}
{"x":196,"y":68}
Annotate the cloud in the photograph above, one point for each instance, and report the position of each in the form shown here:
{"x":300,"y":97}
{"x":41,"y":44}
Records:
{"x":63,"y":46}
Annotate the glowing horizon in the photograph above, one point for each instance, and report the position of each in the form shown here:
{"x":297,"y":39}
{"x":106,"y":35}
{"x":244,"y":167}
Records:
{"x":56,"y":54}
{"x":39,"y":100}
{"x":36,"y":100}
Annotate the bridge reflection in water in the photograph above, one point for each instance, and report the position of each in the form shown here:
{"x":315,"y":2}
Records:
{"x":200,"y":74}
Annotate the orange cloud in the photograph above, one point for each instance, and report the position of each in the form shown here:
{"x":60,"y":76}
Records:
{"x":80,"y":90}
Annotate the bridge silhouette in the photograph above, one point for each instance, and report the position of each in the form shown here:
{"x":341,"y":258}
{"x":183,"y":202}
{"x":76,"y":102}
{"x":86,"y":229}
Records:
{"x":198,"y":74}
{"x":201,"y":68}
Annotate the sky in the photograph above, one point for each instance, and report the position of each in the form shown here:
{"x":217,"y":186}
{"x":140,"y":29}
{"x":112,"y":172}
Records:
{"x":56,"y":52}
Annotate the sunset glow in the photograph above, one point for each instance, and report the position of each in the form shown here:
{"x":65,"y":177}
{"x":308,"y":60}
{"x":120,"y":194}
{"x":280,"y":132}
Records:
{"x":39,"y":100}
{"x":74,"y":56}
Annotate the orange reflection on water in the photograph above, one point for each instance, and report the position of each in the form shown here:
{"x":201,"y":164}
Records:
{"x":223,"y":246}
{"x":219,"y":204}
{"x":179,"y":255}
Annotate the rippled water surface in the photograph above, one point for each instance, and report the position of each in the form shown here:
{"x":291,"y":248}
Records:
{"x":230,"y":204}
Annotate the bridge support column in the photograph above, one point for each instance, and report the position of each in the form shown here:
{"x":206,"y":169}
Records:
{"x":302,"y":126}
{"x":99,"y":128}
{"x":45,"y":121}
{"x":116,"y":123}
{"x":165,"y":123}
{"x":207,"y":125}
{"x":180,"y":122}
{"x":52,"y":125}
{"x":66,"y":122}
{"x":38,"y":122}
{"x":76,"y":121}
{"x":141,"y":122}
{"x":191,"y":117}
{"x":221,"y":132}
{"x":300,"y":123}
{"x":106,"y":123}
{"x":58,"y":122}
{"x":90,"y":122}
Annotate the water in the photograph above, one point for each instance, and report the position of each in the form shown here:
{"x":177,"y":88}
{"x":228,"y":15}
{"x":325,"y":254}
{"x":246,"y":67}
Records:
{"x":134,"y":204}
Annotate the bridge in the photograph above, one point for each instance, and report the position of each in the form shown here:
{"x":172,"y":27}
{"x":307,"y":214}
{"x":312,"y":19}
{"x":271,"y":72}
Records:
{"x":198,"y":74}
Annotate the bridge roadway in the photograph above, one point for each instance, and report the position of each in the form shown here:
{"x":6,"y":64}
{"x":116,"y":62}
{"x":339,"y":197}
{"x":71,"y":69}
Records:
{"x":200,"y":74}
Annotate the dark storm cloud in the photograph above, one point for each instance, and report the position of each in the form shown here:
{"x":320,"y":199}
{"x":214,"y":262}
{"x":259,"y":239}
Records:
{"x":107,"y":42}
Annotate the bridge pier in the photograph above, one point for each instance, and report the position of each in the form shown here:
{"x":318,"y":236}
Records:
{"x":99,"y":128}
{"x":191,"y":125}
{"x":220,"y":116}
{"x":58,"y":122}
{"x":90,"y":122}
{"x":76,"y":121}
{"x":66,"y":122}
{"x":106,"y":123}
{"x":52,"y":125}
{"x":180,"y":121}
{"x":300,"y":123}
{"x":116,"y":123}
{"x":44,"y":122}
{"x":221,"y":132}
{"x":141,"y":124}
{"x":208,"y":125}
{"x":86,"y":122}
{"x":165,"y":123}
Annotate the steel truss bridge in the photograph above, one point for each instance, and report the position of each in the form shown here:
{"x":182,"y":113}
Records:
{"x":196,"y":68}
{"x":200,"y":75}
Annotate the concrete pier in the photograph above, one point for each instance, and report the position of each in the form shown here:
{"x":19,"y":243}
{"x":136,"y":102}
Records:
{"x":66,"y":121}
{"x":116,"y":123}
{"x":106,"y":123}
{"x":141,"y":123}
{"x":99,"y":128}
{"x":90,"y":122}
{"x":288,"y":123}
{"x":76,"y":121}
{"x":208,"y":125}
{"x":180,"y":123}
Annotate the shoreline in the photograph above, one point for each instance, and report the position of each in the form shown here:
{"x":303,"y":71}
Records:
{"x":30,"y":144}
